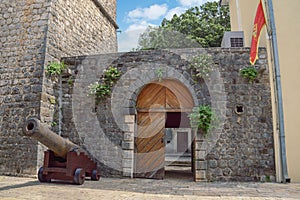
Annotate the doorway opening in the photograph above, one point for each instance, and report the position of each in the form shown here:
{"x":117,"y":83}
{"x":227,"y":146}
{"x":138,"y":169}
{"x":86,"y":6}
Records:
{"x":163,"y":140}
{"x":178,"y":146}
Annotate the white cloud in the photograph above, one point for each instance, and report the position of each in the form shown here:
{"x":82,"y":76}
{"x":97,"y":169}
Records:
{"x":184,"y":5}
{"x":192,"y":3}
{"x":151,"y":13}
{"x":141,"y":18}
{"x":172,"y":12}
{"x":128,"y":40}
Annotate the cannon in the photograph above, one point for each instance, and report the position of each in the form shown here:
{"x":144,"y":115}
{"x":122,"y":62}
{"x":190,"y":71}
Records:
{"x":64,"y":160}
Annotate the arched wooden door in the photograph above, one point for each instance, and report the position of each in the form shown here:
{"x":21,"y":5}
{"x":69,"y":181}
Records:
{"x":154,"y":101}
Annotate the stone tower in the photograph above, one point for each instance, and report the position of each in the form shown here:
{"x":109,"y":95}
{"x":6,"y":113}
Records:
{"x":32,"y":34}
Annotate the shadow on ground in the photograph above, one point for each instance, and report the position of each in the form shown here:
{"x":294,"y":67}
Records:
{"x":22,"y":185}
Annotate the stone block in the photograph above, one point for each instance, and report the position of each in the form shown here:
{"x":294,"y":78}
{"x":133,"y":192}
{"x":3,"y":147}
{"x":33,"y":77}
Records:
{"x":127,"y":145}
{"x":128,"y":154}
{"x":126,"y":163}
{"x":201,"y":175}
{"x":201,"y":165}
{"x":128,"y":136}
{"x":212,"y":164}
{"x":201,"y":145}
{"x":127,"y":172}
{"x":200,"y":155}
{"x":227,"y":172}
{"x":131,"y":127}
{"x":222,"y":163}
{"x":129,"y":118}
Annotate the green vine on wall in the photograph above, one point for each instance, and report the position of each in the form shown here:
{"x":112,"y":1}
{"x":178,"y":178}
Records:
{"x":103,"y":88}
{"x":55,"y":68}
{"x":202,"y":65}
{"x":250,"y":73}
{"x":159,"y":74}
{"x":203,"y":117}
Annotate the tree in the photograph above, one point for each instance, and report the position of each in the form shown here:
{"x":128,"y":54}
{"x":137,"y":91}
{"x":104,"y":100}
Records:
{"x":162,"y":38}
{"x":205,"y":25}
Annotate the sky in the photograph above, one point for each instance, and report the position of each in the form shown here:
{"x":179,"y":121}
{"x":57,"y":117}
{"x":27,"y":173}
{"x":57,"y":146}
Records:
{"x":134,"y":16}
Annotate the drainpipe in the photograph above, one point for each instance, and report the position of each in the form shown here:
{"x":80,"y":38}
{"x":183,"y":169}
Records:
{"x":284,"y":172}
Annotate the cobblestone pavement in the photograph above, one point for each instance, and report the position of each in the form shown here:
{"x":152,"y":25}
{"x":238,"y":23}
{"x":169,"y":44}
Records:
{"x":12,"y":188}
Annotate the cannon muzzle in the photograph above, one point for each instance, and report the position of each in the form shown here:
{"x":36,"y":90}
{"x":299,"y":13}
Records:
{"x":59,"y":145}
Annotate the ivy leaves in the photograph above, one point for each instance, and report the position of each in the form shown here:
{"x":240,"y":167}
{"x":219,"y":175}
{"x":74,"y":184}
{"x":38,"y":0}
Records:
{"x":249,"y":73}
{"x":55,"y":68}
{"x":202,"y":65}
{"x":203,"y":117}
{"x":102,"y":88}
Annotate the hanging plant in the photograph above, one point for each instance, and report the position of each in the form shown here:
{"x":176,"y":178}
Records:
{"x":250,"y":73}
{"x":203,"y":117}
{"x":55,"y":68}
{"x":100,"y":90}
{"x":202,"y":65}
{"x":103,"y":88}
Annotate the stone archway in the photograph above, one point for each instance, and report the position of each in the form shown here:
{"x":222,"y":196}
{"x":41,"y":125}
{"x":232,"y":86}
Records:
{"x":155,"y":100}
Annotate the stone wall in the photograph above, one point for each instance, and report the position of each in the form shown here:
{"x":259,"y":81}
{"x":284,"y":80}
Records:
{"x":32,"y":34}
{"x":75,"y":28}
{"x":245,"y":149}
{"x":23,"y":32}
{"x":80,"y":122}
{"x":79,"y":28}
{"x":110,"y":7}
{"x":240,"y":148}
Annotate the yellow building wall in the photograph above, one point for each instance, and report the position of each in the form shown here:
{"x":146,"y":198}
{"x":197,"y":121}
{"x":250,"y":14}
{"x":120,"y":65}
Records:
{"x":287,"y":19}
{"x":242,"y":14}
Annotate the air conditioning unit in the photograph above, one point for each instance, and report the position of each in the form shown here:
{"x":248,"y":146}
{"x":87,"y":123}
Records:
{"x":233,"y":39}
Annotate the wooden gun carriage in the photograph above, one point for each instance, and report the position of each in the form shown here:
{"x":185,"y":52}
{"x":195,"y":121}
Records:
{"x":64,"y":160}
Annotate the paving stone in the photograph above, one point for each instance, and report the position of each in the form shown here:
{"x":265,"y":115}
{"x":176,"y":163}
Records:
{"x":170,"y":188}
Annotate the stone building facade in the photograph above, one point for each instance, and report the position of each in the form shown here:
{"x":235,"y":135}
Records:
{"x":240,"y":148}
{"x":34,"y":33}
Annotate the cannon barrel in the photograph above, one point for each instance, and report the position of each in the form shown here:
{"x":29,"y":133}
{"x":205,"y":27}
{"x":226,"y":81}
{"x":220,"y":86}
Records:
{"x":59,"y":145}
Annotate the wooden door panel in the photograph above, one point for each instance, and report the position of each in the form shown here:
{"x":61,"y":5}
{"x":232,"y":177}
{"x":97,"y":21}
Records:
{"x":177,"y":95}
{"x":150,"y":165}
{"x":152,"y":96}
{"x":150,"y":150}
{"x":149,"y":124}
{"x":171,"y":100}
{"x":146,"y":145}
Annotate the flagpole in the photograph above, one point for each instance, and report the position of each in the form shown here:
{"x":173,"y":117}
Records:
{"x":278,"y":93}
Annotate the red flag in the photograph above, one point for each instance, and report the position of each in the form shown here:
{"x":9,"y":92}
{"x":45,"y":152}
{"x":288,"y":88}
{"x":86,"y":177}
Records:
{"x":259,"y":23}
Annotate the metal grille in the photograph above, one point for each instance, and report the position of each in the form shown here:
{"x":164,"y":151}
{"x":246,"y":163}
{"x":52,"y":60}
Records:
{"x":236,"y":42}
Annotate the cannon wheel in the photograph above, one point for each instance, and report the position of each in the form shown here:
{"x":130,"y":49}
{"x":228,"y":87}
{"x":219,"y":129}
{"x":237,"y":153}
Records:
{"x":95,"y":176}
{"x":42,"y":178}
{"x":79,"y":176}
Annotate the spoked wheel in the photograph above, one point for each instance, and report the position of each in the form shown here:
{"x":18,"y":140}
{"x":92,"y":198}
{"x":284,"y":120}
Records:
{"x":42,"y":178}
{"x":95,"y":176}
{"x":79,"y":176}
